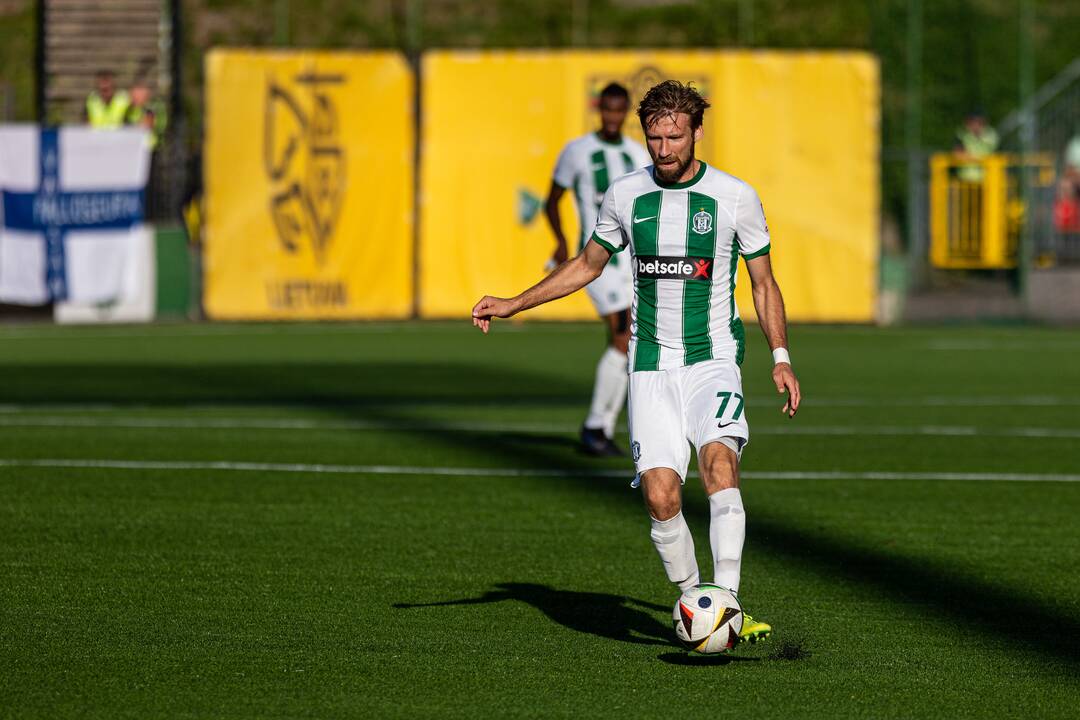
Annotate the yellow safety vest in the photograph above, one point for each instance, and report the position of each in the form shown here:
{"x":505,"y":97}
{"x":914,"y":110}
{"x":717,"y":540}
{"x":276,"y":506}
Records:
{"x":107,"y":115}
{"x":977,"y":146}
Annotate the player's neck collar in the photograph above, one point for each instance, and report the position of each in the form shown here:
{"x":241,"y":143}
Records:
{"x":604,"y":140}
{"x":686,"y":183}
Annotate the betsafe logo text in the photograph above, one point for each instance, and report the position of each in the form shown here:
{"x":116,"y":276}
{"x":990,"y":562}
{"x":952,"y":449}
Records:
{"x":664,"y":267}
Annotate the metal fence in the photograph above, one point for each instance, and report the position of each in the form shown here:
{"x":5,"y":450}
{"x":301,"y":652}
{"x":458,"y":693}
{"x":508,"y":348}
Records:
{"x":1050,"y":124}
{"x":170,"y":178}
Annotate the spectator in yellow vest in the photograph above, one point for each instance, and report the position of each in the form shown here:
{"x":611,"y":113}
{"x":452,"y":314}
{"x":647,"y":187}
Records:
{"x":976,"y":140}
{"x":1071,"y":164}
{"x":107,"y":107}
{"x":148,"y":112}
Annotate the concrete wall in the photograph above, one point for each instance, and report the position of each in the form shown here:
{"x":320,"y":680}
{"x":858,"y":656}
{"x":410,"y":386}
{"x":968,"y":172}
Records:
{"x":1054,"y":295}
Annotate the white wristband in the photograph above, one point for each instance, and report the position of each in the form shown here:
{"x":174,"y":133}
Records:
{"x":780,"y":355}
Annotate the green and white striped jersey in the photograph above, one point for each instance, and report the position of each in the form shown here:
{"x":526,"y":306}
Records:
{"x":589,"y":165}
{"x":685,"y":240}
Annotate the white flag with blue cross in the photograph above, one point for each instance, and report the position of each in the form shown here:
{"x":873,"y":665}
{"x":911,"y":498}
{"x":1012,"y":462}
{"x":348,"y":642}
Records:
{"x":72,"y":199}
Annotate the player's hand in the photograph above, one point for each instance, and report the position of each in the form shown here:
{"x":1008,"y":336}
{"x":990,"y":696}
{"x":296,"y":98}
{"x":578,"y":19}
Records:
{"x":560,"y":255}
{"x":786,"y":382}
{"x":490,"y":307}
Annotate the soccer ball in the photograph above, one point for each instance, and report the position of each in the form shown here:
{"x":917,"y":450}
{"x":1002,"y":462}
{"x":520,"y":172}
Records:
{"x":708,"y":619}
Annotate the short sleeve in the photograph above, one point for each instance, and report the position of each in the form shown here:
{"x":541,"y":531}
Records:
{"x":564,"y":168}
{"x":608,"y":232}
{"x":750,"y":225}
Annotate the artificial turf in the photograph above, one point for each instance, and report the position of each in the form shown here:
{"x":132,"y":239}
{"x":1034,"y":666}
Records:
{"x":370,"y":587}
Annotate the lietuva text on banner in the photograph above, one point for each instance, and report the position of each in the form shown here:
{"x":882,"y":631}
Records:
{"x":802,"y":128}
{"x":73,"y":212}
{"x":309,"y":189}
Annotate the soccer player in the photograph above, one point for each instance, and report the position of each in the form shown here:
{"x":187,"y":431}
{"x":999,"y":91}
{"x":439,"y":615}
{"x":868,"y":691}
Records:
{"x":686,"y":224}
{"x":589,"y":164}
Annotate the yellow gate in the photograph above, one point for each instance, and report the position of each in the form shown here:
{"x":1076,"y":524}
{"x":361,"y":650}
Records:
{"x":976,"y":210}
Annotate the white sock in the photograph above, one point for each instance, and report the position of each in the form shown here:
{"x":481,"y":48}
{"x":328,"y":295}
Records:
{"x":609,"y":392}
{"x":727,"y":530}
{"x":676,"y":547}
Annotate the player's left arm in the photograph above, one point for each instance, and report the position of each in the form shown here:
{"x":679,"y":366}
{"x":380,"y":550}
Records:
{"x":754,"y":243}
{"x":769,"y":304}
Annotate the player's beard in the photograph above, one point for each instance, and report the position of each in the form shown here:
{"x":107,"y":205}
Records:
{"x":672,"y":176}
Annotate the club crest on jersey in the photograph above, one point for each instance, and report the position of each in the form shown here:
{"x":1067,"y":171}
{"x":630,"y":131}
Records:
{"x":635,"y":450}
{"x":655,"y":267}
{"x":702,"y":222}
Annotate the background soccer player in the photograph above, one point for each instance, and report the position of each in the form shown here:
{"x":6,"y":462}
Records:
{"x":686,"y":225}
{"x":589,"y":165}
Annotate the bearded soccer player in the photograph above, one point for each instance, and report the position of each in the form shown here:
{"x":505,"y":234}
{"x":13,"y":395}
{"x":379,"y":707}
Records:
{"x":589,"y":164}
{"x":686,"y":224}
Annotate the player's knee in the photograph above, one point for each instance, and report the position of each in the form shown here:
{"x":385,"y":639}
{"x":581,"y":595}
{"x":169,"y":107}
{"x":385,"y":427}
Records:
{"x":719,"y":465}
{"x":662,"y":502}
{"x":664,"y":510}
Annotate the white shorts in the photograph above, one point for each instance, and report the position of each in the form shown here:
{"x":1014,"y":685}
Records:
{"x":672,"y":409}
{"x":613,"y":291}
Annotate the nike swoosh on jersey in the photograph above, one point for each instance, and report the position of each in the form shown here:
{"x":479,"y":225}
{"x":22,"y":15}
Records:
{"x":637,"y":220}
{"x":725,"y":424}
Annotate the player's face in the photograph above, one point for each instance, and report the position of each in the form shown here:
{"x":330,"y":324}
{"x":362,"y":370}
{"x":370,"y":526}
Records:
{"x":613,"y":114}
{"x":671,"y":145}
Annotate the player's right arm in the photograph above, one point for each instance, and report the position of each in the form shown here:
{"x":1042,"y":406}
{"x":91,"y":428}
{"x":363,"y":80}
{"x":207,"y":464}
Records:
{"x":551,"y":210}
{"x":608,"y":238}
{"x":567,"y":278}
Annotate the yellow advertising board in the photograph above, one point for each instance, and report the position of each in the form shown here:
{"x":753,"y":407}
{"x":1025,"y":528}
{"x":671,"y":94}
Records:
{"x":308,"y":185}
{"x":801,"y":127}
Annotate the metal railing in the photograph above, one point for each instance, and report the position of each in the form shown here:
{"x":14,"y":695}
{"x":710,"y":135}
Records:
{"x":1050,"y":121}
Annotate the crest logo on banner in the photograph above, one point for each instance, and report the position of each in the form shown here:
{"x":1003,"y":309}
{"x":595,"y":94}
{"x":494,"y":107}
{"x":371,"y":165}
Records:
{"x":304,"y":160}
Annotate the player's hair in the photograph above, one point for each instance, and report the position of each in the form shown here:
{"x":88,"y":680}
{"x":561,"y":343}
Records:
{"x":669,"y":98}
{"x":616,"y":91}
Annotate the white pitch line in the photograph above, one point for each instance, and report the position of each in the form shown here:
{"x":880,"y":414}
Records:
{"x":220,"y":423}
{"x":990,"y":345}
{"x":938,"y":401}
{"x":813,"y":402}
{"x":226,"y":330}
{"x":320,"y":469}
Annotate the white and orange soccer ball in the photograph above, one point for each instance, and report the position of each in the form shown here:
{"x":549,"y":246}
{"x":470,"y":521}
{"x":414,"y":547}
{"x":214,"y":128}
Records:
{"x":707,"y":619}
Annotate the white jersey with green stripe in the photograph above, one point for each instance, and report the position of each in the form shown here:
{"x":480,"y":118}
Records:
{"x":685,"y":240}
{"x":589,"y":165}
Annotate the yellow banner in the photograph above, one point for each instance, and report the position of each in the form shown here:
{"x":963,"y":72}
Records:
{"x":801,"y":127}
{"x":308,"y":185}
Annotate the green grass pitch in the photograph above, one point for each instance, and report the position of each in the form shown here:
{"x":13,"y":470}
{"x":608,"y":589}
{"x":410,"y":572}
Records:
{"x":392,"y":520}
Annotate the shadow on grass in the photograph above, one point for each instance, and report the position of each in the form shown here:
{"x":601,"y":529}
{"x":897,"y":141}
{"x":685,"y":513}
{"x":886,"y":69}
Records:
{"x":334,"y":385}
{"x":691,"y":660}
{"x":608,"y":616}
{"x":976,"y":605}
{"x":390,"y":392}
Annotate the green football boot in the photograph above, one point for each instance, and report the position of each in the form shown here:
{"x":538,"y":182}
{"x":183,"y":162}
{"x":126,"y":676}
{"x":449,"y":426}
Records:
{"x":753,"y":630}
